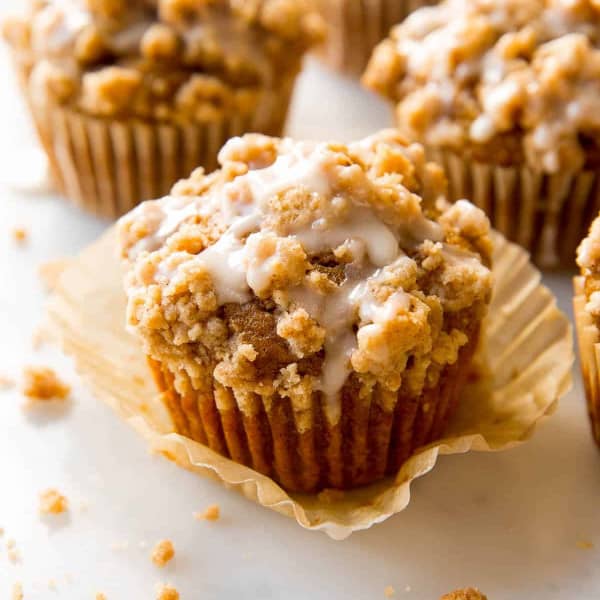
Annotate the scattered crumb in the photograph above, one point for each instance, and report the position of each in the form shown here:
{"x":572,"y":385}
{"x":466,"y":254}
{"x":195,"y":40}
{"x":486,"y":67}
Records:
{"x":52,"y":502}
{"x":100,"y":596}
{"x":6,"y":382}
{"x":389,"y":591}
{"x":163,"y":553}
{"x":166,"y":592}
{"x":585,"y":545}
{"x":466,"y":594}
{"x":42,"y":383}
{"x":212,"y":513}
{"x":19,"y":234}
{"x":17,"y":592}
{"x":331,"y":495}
{"x":50,"y":272}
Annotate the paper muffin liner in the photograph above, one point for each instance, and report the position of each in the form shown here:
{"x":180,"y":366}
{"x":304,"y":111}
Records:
{"x":548,"y":215}
{"x":589,"y":352}
{"x":526,"y":347}
{"x":355,"y":27}
{"x":299,"y":446}
{"x":109,"y":166}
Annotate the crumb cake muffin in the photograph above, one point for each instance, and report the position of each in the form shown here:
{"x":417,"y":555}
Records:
{"x":310,"y":309}
{"x":506,"y":95}
{"x":587,"y":320}
{"x":128,"y":97}
{"x":355,"y":27}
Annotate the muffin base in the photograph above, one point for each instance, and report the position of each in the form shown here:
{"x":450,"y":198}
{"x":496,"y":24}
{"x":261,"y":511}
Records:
{"x":589,"y":351}
{"x":357,"y":26}
{"x":107,"y":166}
{"x":548,"y":215}
{"x":371,"y":440}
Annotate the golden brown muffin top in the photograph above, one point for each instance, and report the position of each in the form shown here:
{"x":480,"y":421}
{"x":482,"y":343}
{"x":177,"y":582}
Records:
{"x":517,"y":80}
{"x":161,"y":59}
{"x":588,"y":259}
{"x":299,"y":263}
{"x":466,"y":594}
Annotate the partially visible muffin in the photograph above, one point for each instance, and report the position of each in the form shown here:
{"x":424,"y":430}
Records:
{"x":466,"y":594}
{"x":506,"y":94}
{"x":587,"y":320}
{"x":310,"y":309}
{"x":355,"y":27}
{"x":128,"y":97}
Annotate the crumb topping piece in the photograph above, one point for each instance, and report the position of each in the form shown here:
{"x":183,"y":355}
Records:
{"x":511,"y":79}
{"x":52,"y":502}
{"x":466,"y":594}
{"x":389,"y":591}
{"x":299,"y":265}
{"x":163,"y":553}
{"x":19,"y":234}
{"x":166,"y":592}
{"x":588,"y":259}
{"x":161,"y":59}
{"x":100,"y":596}
{"x":212,"y":513}
{"x":42,"y":383}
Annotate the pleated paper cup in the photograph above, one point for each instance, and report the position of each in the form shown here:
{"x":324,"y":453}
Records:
{"x":525,"y":348}
{"x":355,"y":27}
{"x":108,"y":166}
{"x":548,"y":215}
{"x":589,"y":353}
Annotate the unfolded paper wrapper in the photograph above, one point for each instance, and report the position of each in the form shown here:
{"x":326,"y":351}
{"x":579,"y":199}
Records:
{"x":525,"y":362}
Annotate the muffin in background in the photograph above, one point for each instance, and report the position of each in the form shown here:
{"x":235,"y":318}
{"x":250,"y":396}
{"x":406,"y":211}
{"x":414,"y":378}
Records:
{"x":311,"y":309}
{"x":587,"y":321}
{"x":355,"y":27}
{"x":506,"y":95}
{"x":128,"y":97}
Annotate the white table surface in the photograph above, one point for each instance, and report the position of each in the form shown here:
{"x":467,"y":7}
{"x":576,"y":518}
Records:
{"x":517,"y":524}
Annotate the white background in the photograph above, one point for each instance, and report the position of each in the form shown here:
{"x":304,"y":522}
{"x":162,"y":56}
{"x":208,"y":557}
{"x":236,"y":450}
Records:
{"x":512,"y":523}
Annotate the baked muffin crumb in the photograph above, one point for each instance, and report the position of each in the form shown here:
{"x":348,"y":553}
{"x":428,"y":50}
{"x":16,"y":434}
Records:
{"x":166,"y":592}
{"x":466,"y":594}
{"x":163,"y":553}
{"x":52,"y":502}
{"x":20,"y":234}
{"x":100,"y":596}
{"x":212,"y":513}
{"x":17,"y":591}
{"x":389,"y":591}
{"x":42,"y":383}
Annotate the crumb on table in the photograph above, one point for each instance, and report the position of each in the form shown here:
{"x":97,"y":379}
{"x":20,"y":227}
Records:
{"x":52,"y":502}
{"x":163,"y":553}
{"x":17,"y":591}
{"x":166,"y":592}
{"x":585,"y":545}
{"x":19,"y":234}
{"x":100,"y":596}
{"x":389,"y":591}
{"x":42,"y":383}
{"x":466,"y":594}
{"x":212,"y":513}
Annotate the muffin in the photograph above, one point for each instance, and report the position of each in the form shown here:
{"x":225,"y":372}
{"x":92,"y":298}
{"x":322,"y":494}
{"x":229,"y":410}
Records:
{"x":587,"y":320}
{"x":310,"y":309}
{"x":355,"y":27}
{"x":506,"y":95}
{"x":128,"y":97}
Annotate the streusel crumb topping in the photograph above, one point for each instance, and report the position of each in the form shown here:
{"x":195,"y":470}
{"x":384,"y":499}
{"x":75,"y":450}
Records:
{"x":163,"y":553}
{"x":588,"y":259}
{"x":166,"y":592}
{"x":52,"y":502}
{"x":299,"y":265}
{"x":512,"y":80}
{"x":161,"y":59}
{"x":42,"y":383}
{"x":466,"y":594}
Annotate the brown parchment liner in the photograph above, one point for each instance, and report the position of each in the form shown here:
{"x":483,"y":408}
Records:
{"x":526,"y":345}
{"x":355,"y":27}
{"x":548,"y":215}
{"x":589,"y":352}
{"x":107,"y":166}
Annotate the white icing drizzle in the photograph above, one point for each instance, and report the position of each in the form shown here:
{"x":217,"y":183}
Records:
{"x":239,"y":268}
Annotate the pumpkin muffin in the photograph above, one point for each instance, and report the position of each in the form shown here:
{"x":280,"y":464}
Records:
{"x":310,"y":309}
{"x":128,"y":97}
{"x":587,"y":320}
{"x":355,"y":27}
{"x":506,"y":95}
